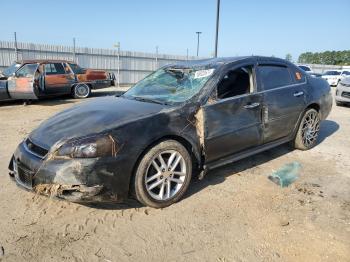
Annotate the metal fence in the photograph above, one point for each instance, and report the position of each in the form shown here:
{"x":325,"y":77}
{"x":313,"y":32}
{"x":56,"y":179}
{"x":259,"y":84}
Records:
{"x":133,"y":65}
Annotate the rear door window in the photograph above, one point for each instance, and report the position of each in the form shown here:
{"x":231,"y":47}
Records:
{"x":273,"y":76}
{"x":54,"y":69}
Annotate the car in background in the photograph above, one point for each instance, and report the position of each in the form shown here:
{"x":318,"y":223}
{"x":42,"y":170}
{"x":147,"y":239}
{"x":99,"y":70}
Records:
{"x":315,"y":74}
{"x":306,"y":68}
{"x":333,"y":77}
{"x":342,"y":93}
{"x":35,"y":79}
{"x":191,"y":115}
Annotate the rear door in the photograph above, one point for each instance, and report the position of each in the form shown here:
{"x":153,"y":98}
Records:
{"x":24,"y":84}
{"x":283,"y":99}
{"x":57,"y":80}
{"x":233,"y":122}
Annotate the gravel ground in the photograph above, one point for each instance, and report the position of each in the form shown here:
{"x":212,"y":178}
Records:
{"x":234,"y":214}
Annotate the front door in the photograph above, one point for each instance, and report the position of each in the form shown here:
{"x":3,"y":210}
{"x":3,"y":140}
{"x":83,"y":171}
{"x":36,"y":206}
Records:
{"x":24,"y":84}
{"x":283,"y":99}
{"x":233,"y":121}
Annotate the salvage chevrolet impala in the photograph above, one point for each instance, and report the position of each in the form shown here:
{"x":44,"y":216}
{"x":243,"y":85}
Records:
{"x":187,"y":116}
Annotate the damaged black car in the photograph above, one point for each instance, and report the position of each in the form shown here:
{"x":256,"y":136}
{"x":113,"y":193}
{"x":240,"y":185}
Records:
{"x":184,"y":119}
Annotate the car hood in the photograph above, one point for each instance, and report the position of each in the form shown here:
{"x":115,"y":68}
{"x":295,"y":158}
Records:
{"x":98,"y":115}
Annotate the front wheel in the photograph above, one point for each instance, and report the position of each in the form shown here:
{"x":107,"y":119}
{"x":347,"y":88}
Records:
{"x":163,"y":174}
{"x":81,"y":91}
{"x":306,"y":137}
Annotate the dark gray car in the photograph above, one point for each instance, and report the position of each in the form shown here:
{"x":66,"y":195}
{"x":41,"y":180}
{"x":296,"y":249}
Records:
{"x":187,"y":116}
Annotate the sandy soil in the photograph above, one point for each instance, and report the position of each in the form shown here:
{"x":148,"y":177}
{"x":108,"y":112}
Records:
{"x":234,"y":214}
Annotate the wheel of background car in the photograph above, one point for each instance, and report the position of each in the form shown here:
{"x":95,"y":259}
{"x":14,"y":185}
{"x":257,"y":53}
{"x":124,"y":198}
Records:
{"x":81,"y":91}
{"x":306,"y":137}
{"x":338,"y":103}
{"x":163,"y":174}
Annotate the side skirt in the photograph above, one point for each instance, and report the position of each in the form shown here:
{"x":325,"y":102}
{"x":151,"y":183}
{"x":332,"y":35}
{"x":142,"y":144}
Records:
{"x":246,"y":153}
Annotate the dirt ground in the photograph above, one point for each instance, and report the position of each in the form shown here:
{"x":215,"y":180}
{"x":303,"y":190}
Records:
{"x":235,"y":214}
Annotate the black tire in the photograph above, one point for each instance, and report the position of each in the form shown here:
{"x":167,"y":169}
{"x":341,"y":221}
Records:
{"x":306,"y":137}
{"x":141,"y":187}
{"x":338,"y":103}
{"x":81,"y":91}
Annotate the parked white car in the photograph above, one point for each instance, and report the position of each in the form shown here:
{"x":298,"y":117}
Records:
{"x":333,"y":77}
{"x":342,"y":93}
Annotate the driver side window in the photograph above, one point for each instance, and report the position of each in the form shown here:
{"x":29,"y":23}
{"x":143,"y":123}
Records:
{"x":27,"y":70}
{"x":236,"y":82}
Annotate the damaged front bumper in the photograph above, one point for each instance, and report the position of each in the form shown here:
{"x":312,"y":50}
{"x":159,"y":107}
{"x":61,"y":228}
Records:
{"x":76,"y":180}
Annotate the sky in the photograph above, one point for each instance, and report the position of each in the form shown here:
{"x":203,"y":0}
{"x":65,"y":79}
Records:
{"x":259,"y":27}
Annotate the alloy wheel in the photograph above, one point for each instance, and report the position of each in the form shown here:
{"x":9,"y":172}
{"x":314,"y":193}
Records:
{"x":165,"y":175}
{"x":310,"y":129}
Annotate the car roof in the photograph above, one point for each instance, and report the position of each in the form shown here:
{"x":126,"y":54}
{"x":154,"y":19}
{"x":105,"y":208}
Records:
{"x":43,"y":61}
{"x":225,"y":60}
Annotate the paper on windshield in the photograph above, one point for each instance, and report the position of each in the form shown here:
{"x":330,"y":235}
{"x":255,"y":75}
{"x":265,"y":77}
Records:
{"x":203,"y":73}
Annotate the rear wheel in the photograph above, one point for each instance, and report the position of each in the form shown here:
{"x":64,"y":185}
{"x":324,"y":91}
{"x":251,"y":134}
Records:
{"x":306,"y":137}
{"x":163,"y":174}
{"x":81,"y":91}
{"x":339,"y":103}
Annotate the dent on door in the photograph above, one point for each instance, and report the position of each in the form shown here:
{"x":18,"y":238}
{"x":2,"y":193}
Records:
{"x":24,"y":86}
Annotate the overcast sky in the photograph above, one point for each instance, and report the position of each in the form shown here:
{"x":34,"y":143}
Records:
{"x":261,"y":27}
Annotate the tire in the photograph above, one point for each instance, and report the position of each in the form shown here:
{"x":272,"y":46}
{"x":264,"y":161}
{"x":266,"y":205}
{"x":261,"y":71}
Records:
{"x":308,"y":130}
{"x":152,"y":178}
{"x":338,"y":103}
{"x":81,"y":91}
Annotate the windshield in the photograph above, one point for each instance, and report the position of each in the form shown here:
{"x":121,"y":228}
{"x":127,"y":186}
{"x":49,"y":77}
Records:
{"x":332,"y":73}
{"x":346,"y":73}
{"x":11,"y":69}
{"x":169,"y":85}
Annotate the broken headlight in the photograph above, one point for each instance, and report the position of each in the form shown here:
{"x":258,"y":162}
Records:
{"x":89,"y":147}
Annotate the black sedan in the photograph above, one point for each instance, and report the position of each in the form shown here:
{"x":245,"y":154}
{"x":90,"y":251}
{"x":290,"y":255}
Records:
{"x":187,"y":116}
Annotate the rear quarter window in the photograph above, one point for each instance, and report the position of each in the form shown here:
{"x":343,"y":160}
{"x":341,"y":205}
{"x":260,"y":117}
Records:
{"x":273,"y":76}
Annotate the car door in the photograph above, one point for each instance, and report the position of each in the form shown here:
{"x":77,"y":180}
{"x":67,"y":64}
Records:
{"x":232,"y":122}
{"x":283,"y":99}
{"x":57,"y":80}
{"x":24,"y":83}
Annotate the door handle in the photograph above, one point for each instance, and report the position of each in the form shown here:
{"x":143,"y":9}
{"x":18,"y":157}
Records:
{"x":251,"y":106}
{"x":297,"y":94}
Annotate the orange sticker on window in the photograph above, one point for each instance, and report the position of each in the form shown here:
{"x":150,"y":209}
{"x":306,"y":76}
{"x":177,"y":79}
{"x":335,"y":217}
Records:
{"x":298,"y":75}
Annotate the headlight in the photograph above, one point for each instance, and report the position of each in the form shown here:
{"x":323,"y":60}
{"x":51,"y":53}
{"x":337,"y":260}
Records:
{"x":89,"y":147}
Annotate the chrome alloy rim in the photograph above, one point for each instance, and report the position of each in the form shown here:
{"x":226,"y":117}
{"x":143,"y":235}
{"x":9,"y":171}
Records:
{"x":165,"y":175}
{"x":310,"y":129}
{"x":82,"y":90}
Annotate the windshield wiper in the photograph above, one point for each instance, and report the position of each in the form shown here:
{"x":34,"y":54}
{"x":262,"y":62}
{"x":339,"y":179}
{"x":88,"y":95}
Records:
{"x":146,"y":99}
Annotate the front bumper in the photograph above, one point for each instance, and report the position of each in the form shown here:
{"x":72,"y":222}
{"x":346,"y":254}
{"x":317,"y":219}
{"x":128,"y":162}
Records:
{"x":342,"y":94}
{"x":332,"y":82}
{"x":76,"y":180}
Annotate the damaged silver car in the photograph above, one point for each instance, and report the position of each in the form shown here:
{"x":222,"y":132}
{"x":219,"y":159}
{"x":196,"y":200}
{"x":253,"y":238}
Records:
{"x":188,"y":116}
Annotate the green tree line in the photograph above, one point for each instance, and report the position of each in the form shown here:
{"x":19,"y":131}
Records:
{"x":327,"y":58}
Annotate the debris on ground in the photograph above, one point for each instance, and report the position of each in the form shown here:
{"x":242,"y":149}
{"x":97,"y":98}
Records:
{"x":286,"y":175}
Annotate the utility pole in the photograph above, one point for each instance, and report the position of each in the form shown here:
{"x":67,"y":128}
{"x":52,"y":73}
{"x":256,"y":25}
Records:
{"x":217,"y":28}
{"x":198,"y":33}
{"x":16,"y":49}
{"x":118,"y":63}
{"x":156,"y":67}
{"x":187,"y":54}
{"x":74,"y":57}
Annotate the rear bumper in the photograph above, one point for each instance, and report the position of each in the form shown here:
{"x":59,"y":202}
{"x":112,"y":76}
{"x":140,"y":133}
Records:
{"x":75,"y":180}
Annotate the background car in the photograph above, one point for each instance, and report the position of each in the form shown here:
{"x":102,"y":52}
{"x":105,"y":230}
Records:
{"x":306,"y":68}
{"x":333,"y":77}
{"x":34,"y":79}
{"x":342,"y":93}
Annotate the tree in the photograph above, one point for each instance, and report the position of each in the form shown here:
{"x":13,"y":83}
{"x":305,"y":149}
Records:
{"x":327,"y":57}
{"x":289,"y":57}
